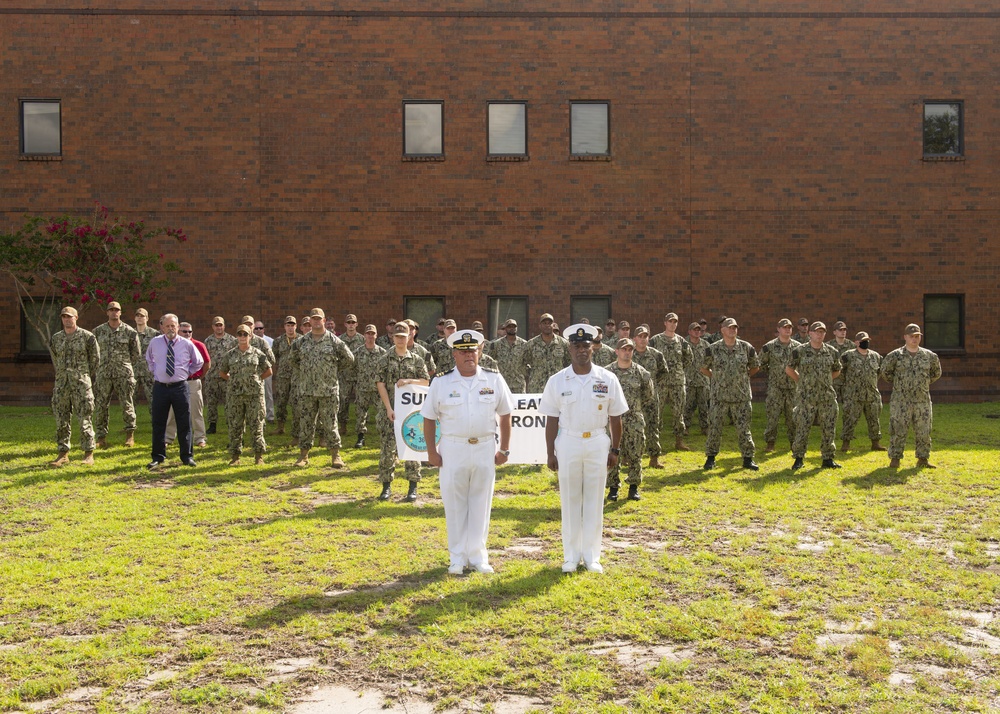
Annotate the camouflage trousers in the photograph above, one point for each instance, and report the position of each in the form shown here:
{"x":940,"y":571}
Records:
{"x":902,"y":416}
{"x":282,"y":396}
{"x":145,"y":380}
{"x":632,"y":446}
{"x":826,"y":414}
{"x":215,"y":394}
{"x":245,"y":412}
{"x":838,"y":387}
{"x":124,"y":388}
{"x":674,"y":396}
{"x":66,"y":401}
{"x":362,"y":404}
{"x":318,"y":414}
{"x":651,"y":415}
{"x":740,"y":413}
{"x":780,"y":402}
{"x":854,"y":407}
{"x":697,"y":399}
{"x":387,"y":457}
{"x":347,"y":398}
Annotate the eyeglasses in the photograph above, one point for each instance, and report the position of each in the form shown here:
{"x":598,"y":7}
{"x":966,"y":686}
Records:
{"x":258,"y":329}
{"x":185,"y":332}
{"x":351,"y":322}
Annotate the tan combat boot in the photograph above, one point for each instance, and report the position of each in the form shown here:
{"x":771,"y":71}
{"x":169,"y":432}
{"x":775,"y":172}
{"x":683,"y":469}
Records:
{"x":294,"y":441}
{"x":654,"y":462}
{"x":88,"y":459}
{"x":61,"y":460}
{"x":925,"y":464}
{"x":102,"y":443}
{"x":235,"y":461}
{"x":335,"y":460}
{"x":893,"y":463}
{"x":130,"y":437}
{"x":258,"y":458}
{"x":846,"y":446}
{"x":280,"y":429}
{"x":769,"y":448}
{"x":876,"y":446}
{"x":679,"y":444}
{"x":303,"y":458}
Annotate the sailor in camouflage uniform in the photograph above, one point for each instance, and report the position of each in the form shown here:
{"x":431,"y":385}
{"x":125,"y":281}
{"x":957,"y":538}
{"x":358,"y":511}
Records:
{"x":261,"y":344}
{"x":911,"y":369}
{"x":842,"y":345}
{"x":76,"y":358}
{"x":316,"y":360}
{"x":610,"y":335}
{"x":143,"y":376}
{"x":398,"y":367}
{"x":678,"y":354}
{"x":802,"y":332}
{"x":656,"y":364}
{"x":861,"y":393}
{"x":353,"y":339}
{"x":385,"y":341}
{"x":814,"y":366}
{"x":366,"y":360}
{"x":214,"y":388}
{"x":602,"y":355}
{"x":729,"y":364}
{"x":282,"y":348}
{"x":507,"y":352}
{"x":781,"y":389}
{"x":245,"y":369}
{"x":637,"y":388}
{"x":119,"y":345}
{"x":544,"y":355}
{"x":441,"y":352}
{"x":418,"y":347}
{"x":696,"y":383}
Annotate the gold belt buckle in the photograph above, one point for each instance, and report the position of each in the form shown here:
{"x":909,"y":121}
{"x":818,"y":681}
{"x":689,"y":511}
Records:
{"x":473,"y":441}
{"x":586,"y":435}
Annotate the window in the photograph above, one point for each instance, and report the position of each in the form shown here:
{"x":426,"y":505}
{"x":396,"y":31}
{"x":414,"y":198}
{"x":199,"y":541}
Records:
{"x":943,"y":129}
{"x":589,"y":129}
{"x":426,"y":311}
{"x":507,"y":129}
{"x":32,"y":345}
{"x":944,"y":322}
{"x":596,"y":308}
{"x":503,"y":308}
{"x":423,"y":129}
{"x":41,"y":130}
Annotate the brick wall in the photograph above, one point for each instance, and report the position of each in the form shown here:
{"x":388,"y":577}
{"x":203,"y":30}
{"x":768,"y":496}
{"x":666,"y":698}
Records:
{"x":765,"y":163}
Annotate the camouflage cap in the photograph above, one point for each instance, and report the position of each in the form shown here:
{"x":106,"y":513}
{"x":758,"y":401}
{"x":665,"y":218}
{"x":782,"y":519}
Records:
{"x":722,"y":318}
{"x":784,"y":322}
{"x":510,"y":321}
{"x":803,"y":320}
{"x":641,"y":330}
{"x":477,"y":325}
{"x":370,"y":328}
{"x":114,"y":305}
{"x":730,"y":322}
{"x":317,"y":312}
{"x":450,"y":323}
{"x":546,"y":316}
{"x":247,"y":320}
{"x":912,"y":329}
{"x":69,"y":310}
{"x":671,"y":316}
{"x":694,"y":326}
{"x":290,"y":320}
{"x":141,"y":311}
{"x":466,"y":340}
{"x":401,"y":328}
{"x":391,"y":321}
{"x":623,"y":325}
{"x":243,"y":330}
{"x":351,"y":318}
{"x":611,"y":321}
{"x":218,"y":320}
{"x":840,"y":325}
{"x":703,"y":321}
{"x":817,"y":326}
{"x":862,"y":336}
{"x":624,"y":342}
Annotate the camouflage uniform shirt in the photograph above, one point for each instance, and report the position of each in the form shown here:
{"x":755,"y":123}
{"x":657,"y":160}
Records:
{"x":692,"y":373}
{"x":508,"y":357}
{"x":540,"y":361}
{"x":730,"y":370}
{"x":119,"y":350}
{"x":677,"y":351}
{"x":774,"y":357}
{"x":911,"y":374}
{"x":317,"y":363}
{"x":815,"y":368}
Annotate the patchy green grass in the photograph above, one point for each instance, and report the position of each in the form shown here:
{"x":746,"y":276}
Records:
{"x":219,"y":589}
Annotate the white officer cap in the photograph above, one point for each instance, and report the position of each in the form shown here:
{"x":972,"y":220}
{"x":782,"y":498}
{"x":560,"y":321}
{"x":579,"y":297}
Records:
{"x":580,"y":332}
{"x":466,"y":340}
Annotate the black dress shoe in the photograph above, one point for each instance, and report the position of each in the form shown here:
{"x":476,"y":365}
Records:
{"x":830,"y":464}
{"x":613,"y":493}
{"x":386,"y":492}
{"x":709,"y":463}
{"x":189,"y":462}
{"x":748,"y":463}
{"x":154,"y":464}
{"x":633,"y":493}
{"x":799,"y":463}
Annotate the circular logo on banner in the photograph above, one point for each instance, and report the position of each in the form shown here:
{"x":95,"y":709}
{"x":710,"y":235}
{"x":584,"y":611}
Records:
{"x":413,"y":432}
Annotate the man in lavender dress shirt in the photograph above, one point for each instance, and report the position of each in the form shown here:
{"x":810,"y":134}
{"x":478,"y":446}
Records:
{"x":171,"y":360}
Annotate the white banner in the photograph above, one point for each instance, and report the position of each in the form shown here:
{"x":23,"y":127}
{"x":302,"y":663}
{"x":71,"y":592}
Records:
{"x":527,"y":433}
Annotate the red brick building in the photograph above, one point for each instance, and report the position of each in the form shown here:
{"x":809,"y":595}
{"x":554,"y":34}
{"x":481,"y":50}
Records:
{"x":743,"y":157}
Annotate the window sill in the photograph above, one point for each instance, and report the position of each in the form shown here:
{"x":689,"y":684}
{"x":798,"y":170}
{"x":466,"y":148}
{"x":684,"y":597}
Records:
{"x":948,"y":351}
{"x":40,"y":157}
{"x":501,"y":158}
{"x":945,"y":159}
{"x":590,"y":157}
{"x":32,"y":357}
{"x":422,"y":159}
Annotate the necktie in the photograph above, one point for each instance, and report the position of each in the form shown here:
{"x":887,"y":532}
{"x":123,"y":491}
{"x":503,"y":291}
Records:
{"x":170,"y":358}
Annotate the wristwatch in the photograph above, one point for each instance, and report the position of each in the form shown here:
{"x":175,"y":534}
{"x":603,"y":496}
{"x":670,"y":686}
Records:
{"x":615,"y":451}
{"x":505,"y":452}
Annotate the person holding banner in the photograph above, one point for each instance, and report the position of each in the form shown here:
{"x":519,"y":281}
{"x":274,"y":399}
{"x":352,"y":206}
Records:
{"x":467,"y":400}
{"x":397,"y":368}
{"x":581,"y":401}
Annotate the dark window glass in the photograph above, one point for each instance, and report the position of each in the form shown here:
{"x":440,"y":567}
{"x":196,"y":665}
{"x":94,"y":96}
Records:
{"x":503,"y":308}
{"x":595,"y":308}
{"x":943,"y":129}
{"x":31,"y":341}
{"x":944,"y":322}
{"x":426,"y":311}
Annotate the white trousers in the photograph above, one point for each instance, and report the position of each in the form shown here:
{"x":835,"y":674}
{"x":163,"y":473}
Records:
{"x":467,"y":476}
{"x":197,"y":404}
{"x":583,"y":468}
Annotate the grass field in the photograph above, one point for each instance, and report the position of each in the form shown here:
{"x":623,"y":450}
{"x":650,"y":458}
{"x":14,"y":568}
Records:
{"x":223,"y":589}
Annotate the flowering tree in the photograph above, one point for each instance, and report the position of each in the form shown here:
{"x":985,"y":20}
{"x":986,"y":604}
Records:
{"x":82,"y":262}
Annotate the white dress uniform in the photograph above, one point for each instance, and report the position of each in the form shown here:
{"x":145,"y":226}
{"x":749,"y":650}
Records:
{"x":583,"y":405}
{"x":467,"y":408}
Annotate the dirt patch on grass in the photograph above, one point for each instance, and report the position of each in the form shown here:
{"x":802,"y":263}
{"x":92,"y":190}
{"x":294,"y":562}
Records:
{"x":631,"y":655}
{"x":335,"y":699}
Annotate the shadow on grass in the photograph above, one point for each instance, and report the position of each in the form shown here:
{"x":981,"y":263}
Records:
{"x":787,"y":476}
{"x":884,"y":476}
{"x":691,"y":477}
{"x":492,"y":594}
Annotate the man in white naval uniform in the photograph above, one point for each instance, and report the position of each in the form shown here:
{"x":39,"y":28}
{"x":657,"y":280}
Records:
{"x":467,"y":399}
{"x":580,"y":402}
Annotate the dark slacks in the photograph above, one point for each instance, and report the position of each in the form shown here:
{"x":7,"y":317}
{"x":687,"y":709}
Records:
{"x":166,"y":396}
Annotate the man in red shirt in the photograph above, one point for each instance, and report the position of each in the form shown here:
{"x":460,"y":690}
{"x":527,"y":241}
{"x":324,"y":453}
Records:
{"x":195,"y":398}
